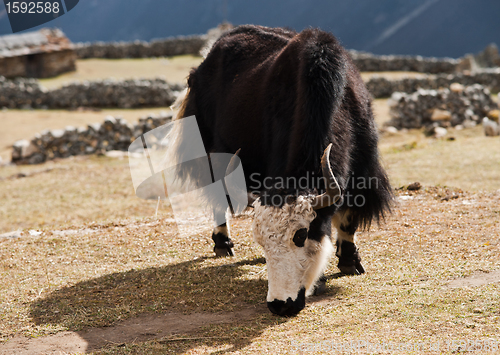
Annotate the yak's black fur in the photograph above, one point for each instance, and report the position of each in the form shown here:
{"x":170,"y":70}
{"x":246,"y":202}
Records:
{"x":282,"y":97}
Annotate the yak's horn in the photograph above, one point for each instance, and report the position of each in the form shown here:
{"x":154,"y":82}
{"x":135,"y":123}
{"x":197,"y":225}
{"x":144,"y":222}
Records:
{"x":333,"y":192}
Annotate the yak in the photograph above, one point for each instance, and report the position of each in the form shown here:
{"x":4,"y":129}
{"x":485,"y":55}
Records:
{"x":295,"y":108}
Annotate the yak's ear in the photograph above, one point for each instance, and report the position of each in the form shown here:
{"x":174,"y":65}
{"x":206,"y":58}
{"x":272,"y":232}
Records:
{"x":300,"y":237}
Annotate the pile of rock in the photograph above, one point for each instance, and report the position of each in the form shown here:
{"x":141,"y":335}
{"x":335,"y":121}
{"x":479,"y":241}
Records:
{"x":370,"y":62}
{"x":27,"y":93}
{"x":381,"y":87}
{"x":114,"y":93}
{"x":488,"y":58}
{"x":457,"y":105}
{"x":140,"y":49}
{"x":20,"y":93}
{"x":112,"y":134}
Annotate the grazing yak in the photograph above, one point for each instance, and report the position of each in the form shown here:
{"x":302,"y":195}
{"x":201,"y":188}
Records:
{"x":297,"y":111}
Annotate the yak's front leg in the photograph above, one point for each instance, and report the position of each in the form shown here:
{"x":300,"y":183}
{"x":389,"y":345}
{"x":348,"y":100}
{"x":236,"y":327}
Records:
{"x":347,"y":252}
{"x":223,"y":245}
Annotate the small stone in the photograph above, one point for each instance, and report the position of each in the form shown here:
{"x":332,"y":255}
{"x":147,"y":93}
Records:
{"x":23,"y":149}
{"x":390,"y":129}
{"x":11,"y":235}
{"x":459,"y":127}
{"x":457,"y":87}
{"x":30,"y":150}
{"x":469,"y":124}
{"x":494,"y":115}
{"x":466,"y":63}
{"x":57,"y":133}
{"x":414,"y":186}
{"x":491,"y":128}
{"x":95,"y":127}
{"x":435,"y":131}
{"x":109,"y":121}
{"x":115,"y":154}
{"x":449,"y":197}
{"x":20,"y":145}
{"x":469,"y":114}
{"x":440,"y":132}
{"x":440,"y":115}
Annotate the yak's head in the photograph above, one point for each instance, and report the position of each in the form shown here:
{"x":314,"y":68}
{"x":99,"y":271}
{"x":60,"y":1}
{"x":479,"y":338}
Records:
{"x":296,"y":242}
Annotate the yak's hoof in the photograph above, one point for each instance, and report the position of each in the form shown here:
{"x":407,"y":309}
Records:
{"x":356,"y":269}
{"x":223,"y":248}
{"x":320,"y":287}
{"x":222,"y":252}
{"x":348,"y":270}
{"x":350,"y":261}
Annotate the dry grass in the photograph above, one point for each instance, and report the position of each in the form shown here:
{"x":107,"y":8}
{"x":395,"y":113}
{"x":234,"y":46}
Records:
{"x":174,"y":69}
{"x":97,"y":273}
{"x":103,"y":258}
{"x":392,"y":75}
{"x":470,"y":161}
{"x":381,"y":111}
{"x":68,"y":192}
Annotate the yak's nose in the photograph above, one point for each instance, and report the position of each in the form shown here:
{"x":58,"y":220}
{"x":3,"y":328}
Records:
{"x":290,"y":307}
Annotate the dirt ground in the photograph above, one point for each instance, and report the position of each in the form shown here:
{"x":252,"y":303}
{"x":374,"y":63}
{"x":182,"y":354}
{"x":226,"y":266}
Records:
{"x":121,"y":281}
{"x":174,"y":69}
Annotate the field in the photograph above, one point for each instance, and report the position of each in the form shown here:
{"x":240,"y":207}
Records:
{"x":96,"y":270}
{"x":174,"y":69}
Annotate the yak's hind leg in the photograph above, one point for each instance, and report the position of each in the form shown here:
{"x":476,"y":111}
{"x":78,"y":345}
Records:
{"x":223,"y":245}
{"x":347,"y":252}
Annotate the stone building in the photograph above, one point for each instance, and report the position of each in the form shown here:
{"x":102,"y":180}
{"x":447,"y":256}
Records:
{"x":39,"y":54}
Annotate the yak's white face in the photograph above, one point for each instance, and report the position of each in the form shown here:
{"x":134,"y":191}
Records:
{"x":294,"y":262}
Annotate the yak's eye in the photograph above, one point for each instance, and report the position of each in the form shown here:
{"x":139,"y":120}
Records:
{"x":300,"y":237}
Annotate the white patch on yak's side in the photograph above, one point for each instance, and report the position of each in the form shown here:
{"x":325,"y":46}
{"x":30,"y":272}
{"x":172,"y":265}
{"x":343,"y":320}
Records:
{"x":289,"y":267}
{"x":221,"y":229}
{"x":338,"y":219}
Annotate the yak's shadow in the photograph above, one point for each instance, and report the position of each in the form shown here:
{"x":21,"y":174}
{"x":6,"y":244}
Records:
{"x":173,"y":300}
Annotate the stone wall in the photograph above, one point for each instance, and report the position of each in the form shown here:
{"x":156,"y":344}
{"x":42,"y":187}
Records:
{"x":198,"y":43}
{"x":140,"y":49}
{"x":368,"y":62}
{"x":27,"y":93}
{"x":381,"y":87}
{"x":457,"y":105}
{"x":112,"y":134}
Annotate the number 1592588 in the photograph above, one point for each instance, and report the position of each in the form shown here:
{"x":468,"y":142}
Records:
{"x":32,"y":7}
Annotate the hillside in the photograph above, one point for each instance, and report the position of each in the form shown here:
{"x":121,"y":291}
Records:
{"x":430,"y":28}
